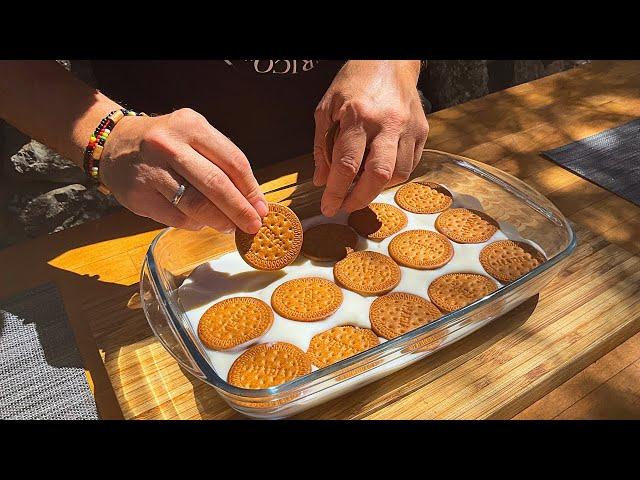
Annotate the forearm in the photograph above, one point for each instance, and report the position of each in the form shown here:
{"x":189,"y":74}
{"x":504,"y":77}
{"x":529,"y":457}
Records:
{"x":49,"y":104}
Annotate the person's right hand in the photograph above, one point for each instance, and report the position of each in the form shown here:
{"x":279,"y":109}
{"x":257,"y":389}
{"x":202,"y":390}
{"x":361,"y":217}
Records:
{"x":145,"y":159}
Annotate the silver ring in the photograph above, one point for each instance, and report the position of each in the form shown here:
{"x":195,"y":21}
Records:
{"x":178,"y":196}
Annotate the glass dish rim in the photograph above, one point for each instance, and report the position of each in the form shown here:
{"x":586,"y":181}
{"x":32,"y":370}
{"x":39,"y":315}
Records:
{"x":210,"y":376}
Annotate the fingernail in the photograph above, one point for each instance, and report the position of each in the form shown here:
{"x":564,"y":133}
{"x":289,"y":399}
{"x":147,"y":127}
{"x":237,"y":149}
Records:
{"x":254,"y":226}
{"x":262,"y":208}
{"x":328,"y":211}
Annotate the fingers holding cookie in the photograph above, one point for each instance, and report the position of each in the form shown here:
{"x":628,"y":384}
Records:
{"x":276,"y":244}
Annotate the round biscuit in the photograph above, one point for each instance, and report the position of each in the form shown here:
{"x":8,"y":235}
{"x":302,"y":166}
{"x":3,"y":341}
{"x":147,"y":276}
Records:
{"x":421,"y":249}
{"x":378,"y":220}
{"x":367,"y":273}
{"x":338,"y":343}
{"x":276,"y":244}
{"x":423,"y":197}
{"x":456,"y":290}
{"x":465,"y":225}
{"x":267,"y":365}
{"x":306,"y":299}
{"x":397,"y":313}
{"x":234,"y":321}
{"x":507,"y":260}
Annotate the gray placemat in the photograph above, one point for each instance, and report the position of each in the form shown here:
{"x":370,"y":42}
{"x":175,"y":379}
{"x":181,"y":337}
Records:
{"x":610,"y":159}
{"x":41,"y":372}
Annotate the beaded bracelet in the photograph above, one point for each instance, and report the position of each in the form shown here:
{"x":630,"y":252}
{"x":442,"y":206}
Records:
{"x":93,"y":152}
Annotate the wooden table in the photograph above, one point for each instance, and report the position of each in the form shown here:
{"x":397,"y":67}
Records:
{"x":592,"y":307}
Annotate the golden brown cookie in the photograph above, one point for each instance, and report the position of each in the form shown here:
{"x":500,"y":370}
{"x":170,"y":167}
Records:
{"x":506,"y":260}
{"x":421,"y":249}
{"x":338,"y":343}
{"x":269,"y":364}
{"x":456,"y":290}
{"x":234,"y":321}
{"x":397,"y":313}
{"x":367,"y":273}
{"x":306,"y":299}
{"x":329,"y":242}
{"x":378,"y":220}
{"x":276,"y":244}
{"x":464,"y":225}
{"x":423,"y":197}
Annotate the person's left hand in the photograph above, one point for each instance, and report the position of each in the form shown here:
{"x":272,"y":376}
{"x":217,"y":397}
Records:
{"x":377,"y":106}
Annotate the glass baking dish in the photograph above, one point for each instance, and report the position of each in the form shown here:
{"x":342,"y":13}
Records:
{"x":520,"y":210}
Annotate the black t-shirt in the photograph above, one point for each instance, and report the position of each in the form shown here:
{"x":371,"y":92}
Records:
{"x":264,"y":106}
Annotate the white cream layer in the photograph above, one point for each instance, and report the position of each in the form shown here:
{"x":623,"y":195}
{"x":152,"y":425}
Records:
{"x":229,"y":276}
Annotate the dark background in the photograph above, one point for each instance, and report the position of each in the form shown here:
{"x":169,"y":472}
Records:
{"x":41,"y":192}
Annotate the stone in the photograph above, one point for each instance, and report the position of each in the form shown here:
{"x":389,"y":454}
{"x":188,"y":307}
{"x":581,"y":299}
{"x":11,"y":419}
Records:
{"x":12,"y":141}
{"x":528,"y":70}
{"x":450,"y":82}
{"x":63,"y":208}
{"x":20,"y":194}
{"x":36,"y":162}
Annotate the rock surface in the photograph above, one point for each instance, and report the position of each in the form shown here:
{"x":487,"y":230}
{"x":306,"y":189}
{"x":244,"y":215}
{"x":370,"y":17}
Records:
{"x":528,"y":70}
{"x":63,"y":208}
{"x":36,"y":162}
{"x":450,"y":82}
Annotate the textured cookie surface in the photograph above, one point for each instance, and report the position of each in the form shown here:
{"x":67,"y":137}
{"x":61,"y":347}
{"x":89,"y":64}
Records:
{"x":306,"y":299}
{"x":464,"y":225}
{"x":276,"y":244}
{"x":397,"y":313}
{"x":456,"y":290}
{"x":234,"y":321}
{"x":421,"y":249}
{"x":338,"y":343}
{"x":366,"y":272}
{"x":329,"y":242}
{"x":268,"y":364}
{"x":506,"y":260}
{"x":423,"y":197}
{"x":378,"y":220}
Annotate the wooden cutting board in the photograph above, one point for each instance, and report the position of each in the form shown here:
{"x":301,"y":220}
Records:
{"x":591,"y":307}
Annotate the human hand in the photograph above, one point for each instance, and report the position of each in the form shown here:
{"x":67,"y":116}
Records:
{"x":377,"y":106}
{"x":146,"y":159}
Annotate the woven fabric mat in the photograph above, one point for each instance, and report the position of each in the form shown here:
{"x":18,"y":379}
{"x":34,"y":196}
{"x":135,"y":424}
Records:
{"x":610,"y":159}
{"x":41,"y":372}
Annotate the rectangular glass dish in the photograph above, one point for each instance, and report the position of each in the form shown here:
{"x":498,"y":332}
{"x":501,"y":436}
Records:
{"x":521,"y":211}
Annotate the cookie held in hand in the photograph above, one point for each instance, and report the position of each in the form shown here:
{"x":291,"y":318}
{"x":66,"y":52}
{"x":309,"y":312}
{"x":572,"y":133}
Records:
{"x":276,"y":244}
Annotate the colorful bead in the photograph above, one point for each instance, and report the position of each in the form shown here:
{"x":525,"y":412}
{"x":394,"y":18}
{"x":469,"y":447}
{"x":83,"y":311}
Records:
{"x":93,"y":150}
{"x":97,"y":152}
{"x":117,"y":116}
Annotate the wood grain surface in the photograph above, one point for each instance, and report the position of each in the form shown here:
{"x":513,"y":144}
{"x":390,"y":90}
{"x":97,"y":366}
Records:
{"x":589,"y":309}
